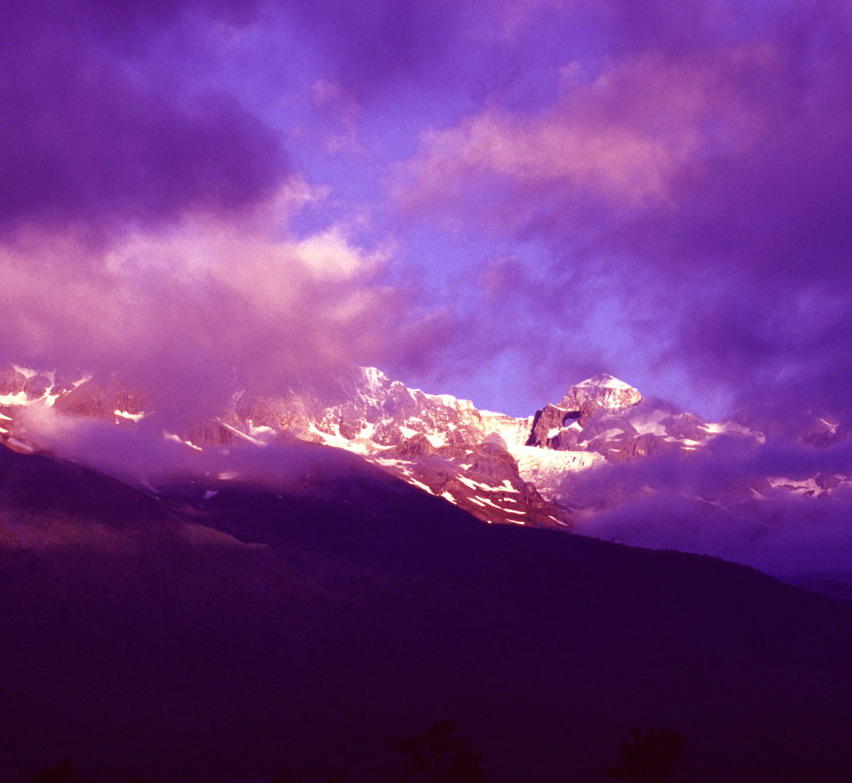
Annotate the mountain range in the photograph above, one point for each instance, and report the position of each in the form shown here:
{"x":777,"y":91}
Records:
{"x":570,"y":465}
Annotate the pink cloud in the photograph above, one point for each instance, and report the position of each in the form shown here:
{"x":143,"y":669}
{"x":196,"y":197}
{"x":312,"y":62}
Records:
{"x":196,"y":311}
{"x":623,"y":138}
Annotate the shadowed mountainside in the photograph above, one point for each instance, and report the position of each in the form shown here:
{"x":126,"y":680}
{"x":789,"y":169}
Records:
{"x":198,"y":636}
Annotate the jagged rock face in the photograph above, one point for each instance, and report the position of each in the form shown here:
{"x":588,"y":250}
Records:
{"x":549,"y":422}
{"x":416,"y":446}
{"x":591,"y":416}
{"x":686,"y":426}
{"x":492,"y":461}
{"x":564,"y":440}
{"x":375,"y":409}
{"x":101,"y":400}
{"x":21,"y":386}
{"x":646,"y":444}
{"x":209,"y":433}
{"x":500,"y":468}
{"x":604,"y":390}
{"x":820,"y":431}
{"x":638,"y":446}
{"x":437,"y":442}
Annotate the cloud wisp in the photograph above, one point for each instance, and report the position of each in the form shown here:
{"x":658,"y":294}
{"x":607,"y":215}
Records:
{"x":732,"y":499}
{"x":699,"y":187}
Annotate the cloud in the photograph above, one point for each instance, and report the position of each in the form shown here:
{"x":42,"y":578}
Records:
{"x":374,"y":45}
{"x":209,"y":306}
{"x":728,"y":500}
{"x":697,"y":186}
{"x":141,"y":455}
{"x":146,"y":213}
{"x":97,"y":133}
{"x":620,"y":139}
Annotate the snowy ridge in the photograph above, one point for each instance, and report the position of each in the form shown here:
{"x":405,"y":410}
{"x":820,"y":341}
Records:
{"x":500,"y":468}
{"x":604,"y":390}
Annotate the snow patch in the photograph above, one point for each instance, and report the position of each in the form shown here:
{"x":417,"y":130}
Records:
{"x":832,"y":426}
{"x":486,"y":502}
{"x":25,"y":371}
{"x":514,"y":432}
{"x":177,"y":439}
{"x":240,"y":433}
{"x":546,"y":468}
{"x":86,"y":377}
{"x":135,"y":417}
{"x":420,"y":485}
{"x":19,"y":398}
{"x":260,"y":432}
{"x":473,"y":484}
{"x":336,"y":440}
{"x":605,"y":381}
{"x":21,"y":445}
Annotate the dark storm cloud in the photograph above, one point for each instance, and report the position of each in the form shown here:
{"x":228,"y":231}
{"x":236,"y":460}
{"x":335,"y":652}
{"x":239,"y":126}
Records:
{"x":696,"y":179}
{"x":87,"y":136}
{"x":376,"y":43}
{"x":144,"y":213}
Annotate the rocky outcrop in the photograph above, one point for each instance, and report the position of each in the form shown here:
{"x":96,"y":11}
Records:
{"x":547,"y":422}
{"x":416,"y":446}
{"x":686,"y":426}
{"x":604,"y":390}
{"x":489,"y":460}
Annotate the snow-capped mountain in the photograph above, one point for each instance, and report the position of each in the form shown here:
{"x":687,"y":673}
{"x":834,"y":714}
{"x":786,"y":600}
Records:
{"x":500,"y":468}
{"x":603,"y":461}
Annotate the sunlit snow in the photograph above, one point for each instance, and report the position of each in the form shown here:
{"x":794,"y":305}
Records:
{"x":135,"y":417}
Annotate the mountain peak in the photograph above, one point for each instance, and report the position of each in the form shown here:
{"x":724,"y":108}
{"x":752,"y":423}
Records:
{"x":604,"y":389}
{"x":604,"y":379}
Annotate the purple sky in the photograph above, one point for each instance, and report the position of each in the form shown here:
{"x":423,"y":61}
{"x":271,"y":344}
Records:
{"x":493,"y":198}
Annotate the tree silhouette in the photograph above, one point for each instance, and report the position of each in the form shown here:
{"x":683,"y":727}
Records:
{"x":649,"y":758}
{"x":438,"y":755}
{"x":61,"y":772}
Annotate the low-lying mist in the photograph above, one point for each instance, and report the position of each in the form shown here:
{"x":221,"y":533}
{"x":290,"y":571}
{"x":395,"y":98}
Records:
{"x":733,"y":499}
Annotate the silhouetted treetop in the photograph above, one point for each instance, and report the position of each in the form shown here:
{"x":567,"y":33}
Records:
{"x":438,"y":755}
{"x":651,"y":757}
{"x":61,"y":772}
